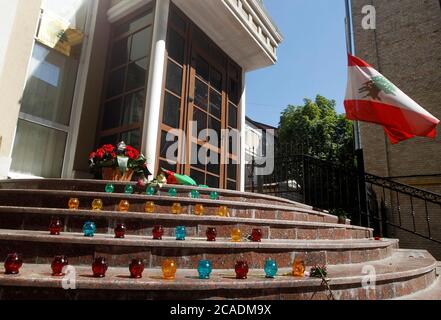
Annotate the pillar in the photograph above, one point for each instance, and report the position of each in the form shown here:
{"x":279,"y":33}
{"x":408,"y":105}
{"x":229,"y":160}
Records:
{"x":154,"y":90}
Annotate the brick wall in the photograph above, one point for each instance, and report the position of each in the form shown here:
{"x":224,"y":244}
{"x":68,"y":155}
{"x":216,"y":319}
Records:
{"x":406,"y":48}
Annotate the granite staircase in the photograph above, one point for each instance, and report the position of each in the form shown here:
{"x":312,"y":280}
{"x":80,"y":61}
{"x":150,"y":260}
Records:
{"x":289,"y":229}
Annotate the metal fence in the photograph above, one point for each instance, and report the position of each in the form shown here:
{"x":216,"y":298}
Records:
{"x":391,"y":208}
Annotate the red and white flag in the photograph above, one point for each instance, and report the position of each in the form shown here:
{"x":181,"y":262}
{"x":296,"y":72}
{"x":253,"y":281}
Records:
{"x":370,"y":97}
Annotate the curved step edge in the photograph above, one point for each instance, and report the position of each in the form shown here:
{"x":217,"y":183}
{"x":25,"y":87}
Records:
{"x":171,"y":217}
{"x":391,"y":283}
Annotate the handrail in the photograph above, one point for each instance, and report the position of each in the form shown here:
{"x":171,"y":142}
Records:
{"x":404,"y":188}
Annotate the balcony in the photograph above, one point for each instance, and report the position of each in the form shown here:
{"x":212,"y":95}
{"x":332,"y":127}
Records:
{"x":242,"y":28}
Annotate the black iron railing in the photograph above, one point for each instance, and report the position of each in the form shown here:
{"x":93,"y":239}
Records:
{"x":383,"y":204}
{"x":395,"y":205}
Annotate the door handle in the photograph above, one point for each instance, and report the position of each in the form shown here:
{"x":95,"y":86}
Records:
{"x":190,"y":99}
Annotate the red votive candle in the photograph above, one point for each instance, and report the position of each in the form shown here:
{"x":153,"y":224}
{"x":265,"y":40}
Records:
{"x":211,"y":234}
{"x":256,"y":235}
{"x":13,"y":264}
{"x":120,"y":231}
{"x":136,"y":268}
{"x":99,"y":267}
{"x":58,"y":265}
{"x":157,"y":232}
{"x":241,"y":270}
{"x":55,"y":227}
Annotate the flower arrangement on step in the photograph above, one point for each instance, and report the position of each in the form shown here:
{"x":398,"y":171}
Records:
{"x":118,"y":163}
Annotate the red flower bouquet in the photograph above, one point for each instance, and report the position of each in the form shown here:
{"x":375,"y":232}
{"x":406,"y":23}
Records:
{"x":118,"y":163}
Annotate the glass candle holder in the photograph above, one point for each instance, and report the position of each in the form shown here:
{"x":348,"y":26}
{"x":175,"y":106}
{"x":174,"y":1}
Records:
{"x":129,"y":189}
{"x":158,"y":232}
{"x":141,"y":183}
{"x":120,"y":231}
{"x":169,"y":269}
{"x":242,"y":270}
{"x":99,"y":267}
{"x":97,"y":205}
{"x":13,"y":263}
{"x":181,"y":233}
{"x":58,"y":265}
{"x":172,"y":192}
{"x":73,"y":204}
{"x":136,"y":268}
{"x":199,"y":210}
{"x":149,"y":207}
{"x":89,"y":229}
{"x":124,"y":206}
{"x":151,"y":191}
{"x":298,"y":268}
{"x":214,"y":195}
{"x":55,"y":227}
{"x":223,"y":211}
{"x":194,"y":194}
{"x":110,"y":188}
{"x":271,"y":268}
{"x":204,"y":269}
{"x":236,"y":235}
{"x":176,"y":208}
{"x":256,"y":235}
{"x":211,"y":234}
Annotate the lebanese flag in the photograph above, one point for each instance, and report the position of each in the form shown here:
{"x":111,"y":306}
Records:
{"x":370,"y":97}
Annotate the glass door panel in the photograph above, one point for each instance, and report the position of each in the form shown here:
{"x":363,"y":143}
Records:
{"x":38,"y":150}
{"x":46,"y":106}
{"x":127,"y":72}
{"x":206,"y":86}
{"x":196,"y":100}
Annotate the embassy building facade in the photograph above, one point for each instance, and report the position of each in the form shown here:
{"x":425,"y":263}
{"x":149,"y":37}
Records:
{"x":77,"y":74}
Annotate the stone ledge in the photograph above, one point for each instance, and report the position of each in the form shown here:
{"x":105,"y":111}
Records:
{"x":28,"y":184}
{"x":192,"y":243}
{"x":171,"y":217}
{"x":11,"y":193}
{"x":431,"y":293}
{"x":397,"y":269}
{"x":158,"y":198}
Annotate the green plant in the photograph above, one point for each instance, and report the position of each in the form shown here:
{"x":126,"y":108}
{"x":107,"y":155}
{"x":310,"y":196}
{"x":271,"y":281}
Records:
{"x":320,"y":272}
{"x":339,"y":213}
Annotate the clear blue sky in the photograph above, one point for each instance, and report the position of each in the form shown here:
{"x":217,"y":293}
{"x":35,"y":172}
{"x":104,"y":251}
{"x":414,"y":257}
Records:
{"x":312,"y":59}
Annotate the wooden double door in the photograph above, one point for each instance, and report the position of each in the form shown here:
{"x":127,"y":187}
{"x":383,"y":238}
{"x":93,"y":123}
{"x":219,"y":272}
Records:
{"x":200,"y":109}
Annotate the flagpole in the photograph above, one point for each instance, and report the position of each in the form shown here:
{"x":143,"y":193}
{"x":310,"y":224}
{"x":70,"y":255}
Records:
{"x":362,"y":191}
{"x":350,"y":48}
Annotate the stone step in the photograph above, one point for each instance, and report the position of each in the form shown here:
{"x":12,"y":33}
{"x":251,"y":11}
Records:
{"x":430,"y":294}
{"x":395,"y":277}
{"x":139,"y":223}
{"x":40,"y":247}
{"x":99,"y":186}
{"x":163,"y":204}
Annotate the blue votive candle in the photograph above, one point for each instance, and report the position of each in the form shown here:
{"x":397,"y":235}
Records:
{"x":181,"y":233}
{"x":89,"y":229}
{"x":271,"y":268}
{"x":205,"y":268}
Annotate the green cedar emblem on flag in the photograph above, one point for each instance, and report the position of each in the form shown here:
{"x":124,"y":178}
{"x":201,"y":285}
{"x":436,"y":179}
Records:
{"x":385,"y":85}
{"x":376,"y":85}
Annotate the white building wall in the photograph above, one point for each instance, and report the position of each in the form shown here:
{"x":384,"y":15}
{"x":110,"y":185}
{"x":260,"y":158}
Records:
{"x":7,"y":17}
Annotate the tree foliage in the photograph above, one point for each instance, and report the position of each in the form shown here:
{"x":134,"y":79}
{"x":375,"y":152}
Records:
{"x":317,"y":126}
